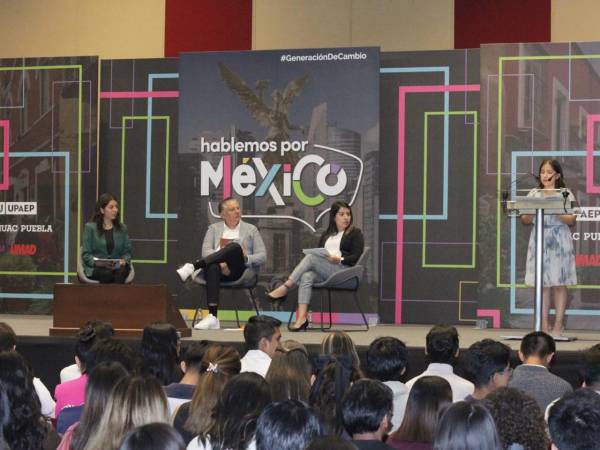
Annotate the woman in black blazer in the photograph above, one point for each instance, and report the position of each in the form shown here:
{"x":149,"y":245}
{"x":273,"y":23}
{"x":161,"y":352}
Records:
{"x":344,"y":244}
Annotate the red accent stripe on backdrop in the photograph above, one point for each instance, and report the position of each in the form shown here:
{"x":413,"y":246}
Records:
{"x":207,"y":25}
{"x":479,"y":22}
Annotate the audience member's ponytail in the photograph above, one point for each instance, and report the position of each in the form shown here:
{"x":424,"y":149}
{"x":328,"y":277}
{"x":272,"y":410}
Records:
{"x":220,"y":362}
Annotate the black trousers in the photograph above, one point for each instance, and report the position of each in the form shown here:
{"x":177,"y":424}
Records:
{"x":107,"y":276}
{"x":233,"y":256}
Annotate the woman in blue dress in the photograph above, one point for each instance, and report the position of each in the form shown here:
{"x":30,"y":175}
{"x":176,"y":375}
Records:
{"x":559,"y":255}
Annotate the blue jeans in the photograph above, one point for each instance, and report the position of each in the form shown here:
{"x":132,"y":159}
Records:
{"x":312,"y":269}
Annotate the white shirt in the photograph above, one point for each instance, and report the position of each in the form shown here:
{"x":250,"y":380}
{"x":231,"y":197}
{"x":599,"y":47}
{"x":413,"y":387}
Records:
{"x":332,"y":244}
{"x":48,"y":404}
{"x":256,"y":361}
{"x":70,"y":373}
{"x":230,"y":233}
{"x":196,"y":444}
{"x":460,"y":387}
{"x":400,"y":397}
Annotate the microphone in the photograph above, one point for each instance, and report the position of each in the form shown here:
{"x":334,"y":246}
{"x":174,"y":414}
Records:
{"x":506,"y":191}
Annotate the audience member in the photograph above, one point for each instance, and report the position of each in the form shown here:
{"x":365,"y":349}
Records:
{"x":442,"y":350}
{"x":334,"y":377}
{"x":387,"y":359}
{"x":331,"y":443}
{"x":26,"y":428}
{"x":93,"y":330}
{"x":533,"y":377}
{"x":289,"y":375}
{"x":8,"y":343}
{"x":367,"y":412}
{"x":243,"y":399}
{"x":518,"y":419}
{"x":339,"y":343}
{"x":287,"y":425}
{"x":101,"y":381}
{"x":133,"y":402}
{"x":428,"y":397}
{"x":291,"y":344}
{"x":194,"y":418}
{"x":159,"y":352}
{"x":590,"y":368}
{"x":4,"y":416}
{"x":466,"y":426}
{"x":487,"y":365}
{"x":181,"y":392}
{"x":112,"y":350}
{"x":262,"y":336}
{"x":72,"y":393}
{"x":153,"y":436}
{"x":574,"y":421}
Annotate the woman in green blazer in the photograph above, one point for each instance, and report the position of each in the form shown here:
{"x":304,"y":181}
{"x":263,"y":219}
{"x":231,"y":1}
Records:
{"x":106,"y":247}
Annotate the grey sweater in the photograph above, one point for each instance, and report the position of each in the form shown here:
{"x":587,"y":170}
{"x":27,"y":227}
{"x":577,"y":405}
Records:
{"x":539,"y":383}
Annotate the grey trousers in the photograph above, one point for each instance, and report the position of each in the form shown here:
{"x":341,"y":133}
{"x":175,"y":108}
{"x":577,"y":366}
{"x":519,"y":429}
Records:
{"x":312,"y":269}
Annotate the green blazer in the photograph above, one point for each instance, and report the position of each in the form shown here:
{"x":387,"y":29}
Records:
{"x":94,"y":244}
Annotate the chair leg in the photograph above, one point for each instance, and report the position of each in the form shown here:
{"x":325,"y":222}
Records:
{"x":198,"y":309}
{"x":253,"y":299}
{"x":237,"y":318}
{"x":355,"y":296}
{"x":328,"y":327}
{"x":195,"y":317}
{"x":329,"y":309}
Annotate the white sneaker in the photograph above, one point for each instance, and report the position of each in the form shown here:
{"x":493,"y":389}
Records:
{"x":196,"y":273}
{"x":210,"y":322}
{"x":185,"y":271}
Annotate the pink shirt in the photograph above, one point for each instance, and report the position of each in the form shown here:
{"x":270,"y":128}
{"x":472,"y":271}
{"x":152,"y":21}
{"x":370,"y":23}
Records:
{"x":71,"y":393}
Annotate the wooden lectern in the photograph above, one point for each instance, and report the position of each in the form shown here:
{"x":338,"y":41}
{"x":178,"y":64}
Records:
{"x":129,"y":307}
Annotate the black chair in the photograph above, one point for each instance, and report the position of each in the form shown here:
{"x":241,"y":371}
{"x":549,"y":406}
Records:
{"x":81,"y":276}
{"x":246,"y":282}
{"x":345,"y":280}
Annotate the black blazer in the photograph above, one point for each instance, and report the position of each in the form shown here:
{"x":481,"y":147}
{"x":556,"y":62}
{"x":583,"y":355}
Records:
{"x":351,"y":246}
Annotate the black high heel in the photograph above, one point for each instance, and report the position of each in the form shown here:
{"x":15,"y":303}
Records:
{"x":277,"y":301}
{"x":302,"y":327}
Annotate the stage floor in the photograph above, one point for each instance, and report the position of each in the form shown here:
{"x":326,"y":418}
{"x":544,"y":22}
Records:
{"x":412,"y":335}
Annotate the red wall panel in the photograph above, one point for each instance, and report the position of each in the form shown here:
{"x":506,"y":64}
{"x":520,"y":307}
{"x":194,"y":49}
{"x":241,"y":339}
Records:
{"x":206,"y":25}
{"x":479,"y":22}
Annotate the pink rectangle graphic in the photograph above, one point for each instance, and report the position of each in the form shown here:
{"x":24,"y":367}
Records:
{"x":139,"y":94}
{"x":493,"y":313}
{"x":226,"y":176}
{"x":4,"y":124}
{"x":589,"y":159}
{"x":402,"y":91}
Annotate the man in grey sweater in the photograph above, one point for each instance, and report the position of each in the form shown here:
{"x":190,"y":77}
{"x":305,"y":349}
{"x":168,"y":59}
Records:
{"x":533,"y":376}
{"x":229,"y":247}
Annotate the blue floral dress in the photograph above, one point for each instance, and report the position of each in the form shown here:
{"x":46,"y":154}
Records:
{"x":559,"y":255}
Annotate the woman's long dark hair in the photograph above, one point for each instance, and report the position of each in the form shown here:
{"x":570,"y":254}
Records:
{"x":243,"y":399}
{"x":289,"y":375}
{"x":466,"y":426}
{"x":428,"y":396}
{"x":159,"y":352}
{"x":332,"y":228}
{"x":25,"y":429}
{"x":558,"y":183}
{"x":334,"y":377}
{"x":100,"y":383}
{"x":98,"y":217}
